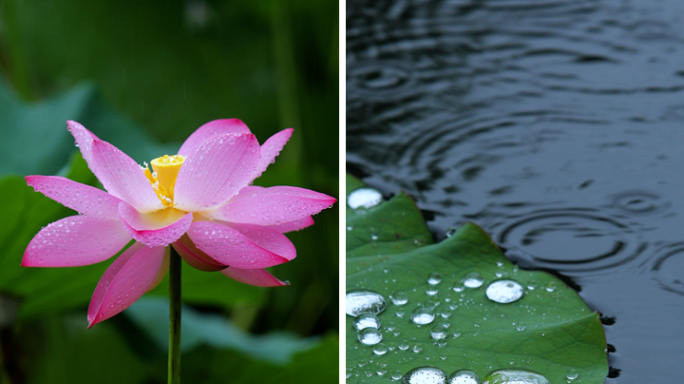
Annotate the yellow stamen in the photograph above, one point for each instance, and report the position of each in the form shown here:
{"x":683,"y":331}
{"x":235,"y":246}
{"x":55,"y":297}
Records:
{"x":163,"y":179}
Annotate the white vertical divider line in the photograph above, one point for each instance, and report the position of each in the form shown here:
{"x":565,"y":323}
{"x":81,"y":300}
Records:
{"x":342,"y":187}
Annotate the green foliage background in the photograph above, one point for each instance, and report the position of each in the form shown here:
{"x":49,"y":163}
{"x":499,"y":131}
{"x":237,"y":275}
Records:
{"x":144,"y":75}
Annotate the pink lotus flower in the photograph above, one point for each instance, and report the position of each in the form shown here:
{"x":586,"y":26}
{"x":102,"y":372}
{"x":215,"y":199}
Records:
{"x":200,"y":202}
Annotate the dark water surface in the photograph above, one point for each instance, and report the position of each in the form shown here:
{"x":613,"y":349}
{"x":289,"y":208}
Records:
{"x":557,"y":125}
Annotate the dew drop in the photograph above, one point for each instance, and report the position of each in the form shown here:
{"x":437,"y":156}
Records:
{"x":380,"y":349}
{"x":438,"y":332}
{"x":366,"y":320}
{"x":572,"y":374}
{"x":363,"y":301}
{"x":515,"y":376}
{"x":404,"y":345}
{"x":434,"y":278}
{"x":431,"y":291}
{"x":464,"y":376}
{"x":532,"y":285}
{"x":396,"y":375}
{"x":458,"y":286}
{"x":550,"y":286}
{"x":364,"y":198}
{"x":369,"y":336}
{"x":422,"y":315}
{"x":472,"y":280}
{"x":450,"y":231}
{"x":417,"y":348}
{"x":425,"y":375}
{"x":505,"y":291}
{"x":399,"y":298}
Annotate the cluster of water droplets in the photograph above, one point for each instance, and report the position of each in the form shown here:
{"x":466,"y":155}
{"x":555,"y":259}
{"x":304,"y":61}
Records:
{"x":443,"y":297}
{"x":432,"y":375}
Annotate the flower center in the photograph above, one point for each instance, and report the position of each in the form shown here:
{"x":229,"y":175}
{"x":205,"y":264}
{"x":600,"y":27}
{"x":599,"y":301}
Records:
{"x":163,"y":176}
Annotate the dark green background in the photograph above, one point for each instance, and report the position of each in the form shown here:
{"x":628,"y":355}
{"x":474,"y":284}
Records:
{"x":144,"y":75}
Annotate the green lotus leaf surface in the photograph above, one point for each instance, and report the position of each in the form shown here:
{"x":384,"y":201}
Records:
{"x":549,"y":330}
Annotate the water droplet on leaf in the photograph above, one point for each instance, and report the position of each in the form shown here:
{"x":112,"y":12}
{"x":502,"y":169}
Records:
{"x":425,"y":375}
{"x":472,"y":280}
{"x":464,"y":376}
{"x":399,"y":298}
{"x":422,"y":316}
{"x":505,"y":291}
{"x":434,"y":278}
{"x":364,"y":198}
{"x":369,"y":336}
{"x":363,"y":301}
{"x":366,"y":320}
{"x":515,"y":376}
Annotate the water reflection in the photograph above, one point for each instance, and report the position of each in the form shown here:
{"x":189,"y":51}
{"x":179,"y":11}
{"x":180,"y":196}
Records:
{"x":555,"y":125}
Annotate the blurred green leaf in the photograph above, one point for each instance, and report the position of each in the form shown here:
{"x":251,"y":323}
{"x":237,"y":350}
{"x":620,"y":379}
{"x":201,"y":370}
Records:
{"x":197,"y":329}
{"x":36,"y":141}
{"x":549,"y":330}
{"x":315,"y":366}
{"x":175,"y":66}
{"x":62,"y":351}
{"x":70,"y":353}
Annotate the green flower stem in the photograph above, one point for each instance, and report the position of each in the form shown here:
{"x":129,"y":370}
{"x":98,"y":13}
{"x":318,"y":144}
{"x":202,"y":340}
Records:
{"x":174,"y":318}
